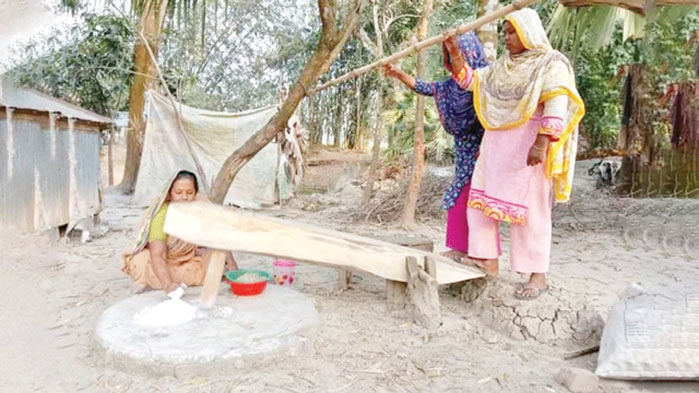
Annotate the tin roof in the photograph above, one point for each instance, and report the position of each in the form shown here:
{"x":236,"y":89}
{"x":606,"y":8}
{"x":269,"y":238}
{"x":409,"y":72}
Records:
{"x":26,"y":98}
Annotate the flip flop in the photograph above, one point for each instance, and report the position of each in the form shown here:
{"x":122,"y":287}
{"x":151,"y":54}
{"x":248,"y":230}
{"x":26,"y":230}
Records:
{"x":518,"y":295}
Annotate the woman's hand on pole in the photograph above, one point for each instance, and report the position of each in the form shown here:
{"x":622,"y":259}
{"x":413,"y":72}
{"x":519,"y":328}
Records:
{"x":393,"y":71}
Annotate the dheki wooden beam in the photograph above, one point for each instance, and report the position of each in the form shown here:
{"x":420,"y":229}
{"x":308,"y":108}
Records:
{"x":225,"y":228}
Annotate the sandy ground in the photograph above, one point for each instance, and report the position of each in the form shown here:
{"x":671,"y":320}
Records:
{"x":55,"y":291}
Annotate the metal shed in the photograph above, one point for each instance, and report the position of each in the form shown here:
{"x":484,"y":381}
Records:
{"x":49,"y":160}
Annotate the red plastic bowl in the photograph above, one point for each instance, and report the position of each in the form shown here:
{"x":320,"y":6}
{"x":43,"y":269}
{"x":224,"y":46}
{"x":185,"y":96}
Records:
{"x":248,"y":289}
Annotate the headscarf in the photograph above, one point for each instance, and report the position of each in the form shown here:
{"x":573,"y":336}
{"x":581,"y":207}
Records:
{"x":455,"y":105}
{"x":507,"y":94}
{"x":151,"y":211}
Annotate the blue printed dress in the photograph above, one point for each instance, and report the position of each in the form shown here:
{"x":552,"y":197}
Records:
{"x":458,"y":117}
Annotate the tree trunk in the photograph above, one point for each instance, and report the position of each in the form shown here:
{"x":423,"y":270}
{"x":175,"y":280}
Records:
{"x":332,"y":39}
{"x":408,"y":220}
{"x":488,"y":33}
{"x":356,"y":142}
{"x":316,"y":136}
{"x":378,"y":107}
{"x":337,"y":121}
{"x":637,"y":135}
{"x":144,"y":73}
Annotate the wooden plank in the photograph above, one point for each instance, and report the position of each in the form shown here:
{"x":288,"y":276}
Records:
{"x":212,"y":280}
{"x":408,"y":241}
{"x":224,"y":228}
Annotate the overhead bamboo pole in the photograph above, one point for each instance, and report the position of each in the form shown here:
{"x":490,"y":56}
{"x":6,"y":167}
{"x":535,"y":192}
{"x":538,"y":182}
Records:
{"x":428,"y":42}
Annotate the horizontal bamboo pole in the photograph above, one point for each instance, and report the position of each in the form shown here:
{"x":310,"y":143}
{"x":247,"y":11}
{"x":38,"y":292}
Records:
{"x":426,"y":43}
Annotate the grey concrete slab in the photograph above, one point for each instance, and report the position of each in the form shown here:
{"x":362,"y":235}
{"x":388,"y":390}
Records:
{"x":237,"y":333}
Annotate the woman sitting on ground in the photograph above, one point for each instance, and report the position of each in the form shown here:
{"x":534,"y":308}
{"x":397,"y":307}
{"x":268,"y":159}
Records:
{"x":159,"y":261}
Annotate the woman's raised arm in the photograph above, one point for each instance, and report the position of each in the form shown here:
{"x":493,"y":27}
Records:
{"x":461,"y":71}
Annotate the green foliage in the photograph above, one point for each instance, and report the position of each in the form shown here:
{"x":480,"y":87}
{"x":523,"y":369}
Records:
{"x":91,"y":67}
{"x":597,"y":40}
{"x":596,"y":74}
{"x":400,"y":124}
{"x":399,"y":118}
{"x":666,"y":50}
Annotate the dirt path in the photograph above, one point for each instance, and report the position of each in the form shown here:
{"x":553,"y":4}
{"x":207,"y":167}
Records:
{"x":54,"y":293}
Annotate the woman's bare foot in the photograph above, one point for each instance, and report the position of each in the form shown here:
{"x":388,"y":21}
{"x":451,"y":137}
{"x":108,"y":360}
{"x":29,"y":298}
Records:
{"x":489,"y":266}
{"x":533,"y":288}
{"x":456,"y":255}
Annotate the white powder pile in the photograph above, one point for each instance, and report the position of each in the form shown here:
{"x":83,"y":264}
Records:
{"x":170,"y":312}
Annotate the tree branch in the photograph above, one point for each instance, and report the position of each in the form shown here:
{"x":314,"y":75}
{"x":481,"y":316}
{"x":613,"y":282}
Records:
{"x":328,"y":19}
{"x":366,"y":41}
{"x":343,"y":36}
{"x":389,"y":22}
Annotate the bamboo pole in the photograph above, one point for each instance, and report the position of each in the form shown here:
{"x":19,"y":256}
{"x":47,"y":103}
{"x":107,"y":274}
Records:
{"x":426,"y":43}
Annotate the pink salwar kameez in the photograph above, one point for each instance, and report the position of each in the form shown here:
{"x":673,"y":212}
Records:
{"x":509,"y":190}
{"x":518,"y":99}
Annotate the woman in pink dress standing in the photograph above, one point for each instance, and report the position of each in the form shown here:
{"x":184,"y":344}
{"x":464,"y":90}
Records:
{"x":530,"y":108}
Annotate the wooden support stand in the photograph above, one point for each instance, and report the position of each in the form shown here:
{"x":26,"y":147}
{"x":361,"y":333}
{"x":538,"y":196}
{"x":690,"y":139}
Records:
{"x":397,"y":291}
{"x":423,"y":293}
{"x":344,"y":277}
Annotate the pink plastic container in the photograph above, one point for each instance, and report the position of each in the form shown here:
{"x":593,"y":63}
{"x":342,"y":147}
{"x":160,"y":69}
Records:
{"x":283,"y":272}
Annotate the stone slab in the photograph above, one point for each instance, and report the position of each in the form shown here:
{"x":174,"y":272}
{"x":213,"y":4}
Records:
{"x":238,"y":332}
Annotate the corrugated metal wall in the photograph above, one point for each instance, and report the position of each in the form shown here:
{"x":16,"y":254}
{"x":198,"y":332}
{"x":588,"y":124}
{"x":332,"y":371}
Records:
{"x":48,"y":176}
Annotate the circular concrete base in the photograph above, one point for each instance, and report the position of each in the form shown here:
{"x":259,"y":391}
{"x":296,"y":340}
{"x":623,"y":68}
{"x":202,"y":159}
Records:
{"x":238,"y":332}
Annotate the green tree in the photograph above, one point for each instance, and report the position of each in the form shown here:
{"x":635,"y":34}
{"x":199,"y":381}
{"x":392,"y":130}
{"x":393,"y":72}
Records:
{"x":91,"y":67}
